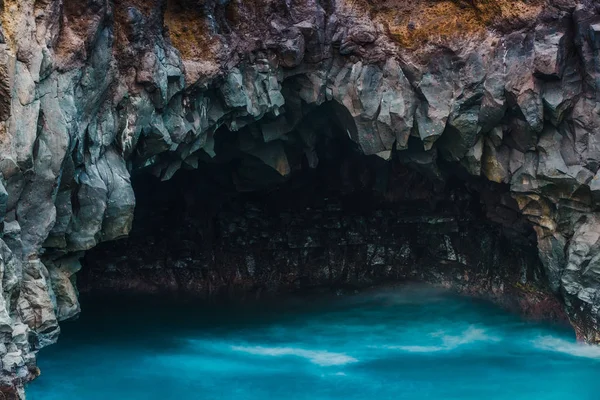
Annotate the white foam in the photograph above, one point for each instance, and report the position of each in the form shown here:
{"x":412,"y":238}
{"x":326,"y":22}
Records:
{"x":471,"y":335}
{"x":319,"y":357}
{"x":566,"y":347}
{"x":417,"y":349}
{"x":450,"y":342}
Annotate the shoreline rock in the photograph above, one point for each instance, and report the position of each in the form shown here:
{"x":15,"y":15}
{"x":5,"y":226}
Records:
{"x":94,"y":95}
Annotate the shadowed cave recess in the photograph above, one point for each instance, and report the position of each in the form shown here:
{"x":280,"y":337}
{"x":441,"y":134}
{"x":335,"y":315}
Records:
{"x":233,"y":227}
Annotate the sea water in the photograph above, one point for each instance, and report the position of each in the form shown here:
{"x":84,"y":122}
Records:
{"x":406,"y":343}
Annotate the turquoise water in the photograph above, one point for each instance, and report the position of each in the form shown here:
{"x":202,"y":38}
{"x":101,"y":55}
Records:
{"x":402,"y":344}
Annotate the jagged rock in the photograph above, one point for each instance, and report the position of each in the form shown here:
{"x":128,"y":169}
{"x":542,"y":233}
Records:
{"x":89,"y":98}
{"x":495,"y":162}
{"x":62,"y":272}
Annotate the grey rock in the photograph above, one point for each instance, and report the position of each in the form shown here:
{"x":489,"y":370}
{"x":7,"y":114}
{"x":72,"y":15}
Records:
{"x":82,"y":110}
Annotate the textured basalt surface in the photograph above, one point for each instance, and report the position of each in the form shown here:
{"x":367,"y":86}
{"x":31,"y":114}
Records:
{"x":92,"y":92}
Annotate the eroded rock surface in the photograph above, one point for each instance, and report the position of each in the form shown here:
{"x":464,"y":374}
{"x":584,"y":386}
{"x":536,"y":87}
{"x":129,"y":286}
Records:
{"x":93,"y":91}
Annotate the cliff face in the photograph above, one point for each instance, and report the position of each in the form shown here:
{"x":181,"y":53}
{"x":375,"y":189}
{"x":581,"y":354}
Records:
{"x":93,"y":91}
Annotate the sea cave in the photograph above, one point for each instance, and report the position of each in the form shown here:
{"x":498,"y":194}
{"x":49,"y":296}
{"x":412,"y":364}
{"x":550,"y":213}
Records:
{"x":324,"y":199}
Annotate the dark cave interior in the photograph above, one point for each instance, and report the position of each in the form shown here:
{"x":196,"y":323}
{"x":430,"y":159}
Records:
{"x":235,"y":228}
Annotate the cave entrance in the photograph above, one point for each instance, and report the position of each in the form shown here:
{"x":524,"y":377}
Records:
{"x":275,"y":211}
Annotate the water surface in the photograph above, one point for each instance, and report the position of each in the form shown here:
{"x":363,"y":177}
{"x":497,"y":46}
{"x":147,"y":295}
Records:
{"x":402,"y":344}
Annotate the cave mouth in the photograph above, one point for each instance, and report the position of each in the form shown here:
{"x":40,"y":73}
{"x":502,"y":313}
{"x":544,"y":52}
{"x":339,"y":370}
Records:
{"x":277,"y":262}
{"x":248,"y":222}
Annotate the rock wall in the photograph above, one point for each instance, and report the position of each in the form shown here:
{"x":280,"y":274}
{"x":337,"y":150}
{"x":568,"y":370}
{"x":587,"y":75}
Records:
{"x":93,"y":91}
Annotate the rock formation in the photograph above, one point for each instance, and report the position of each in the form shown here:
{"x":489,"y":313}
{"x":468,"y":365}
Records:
{"x":94,"y":91}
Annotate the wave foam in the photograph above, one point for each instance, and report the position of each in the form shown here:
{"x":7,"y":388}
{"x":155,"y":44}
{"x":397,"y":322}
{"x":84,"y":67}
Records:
{"x":558,"y":345}
{"x":470,"y":335}
{"x":319,"y":357}
{"x":417,"y":349}
{"x":450,"y":342}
